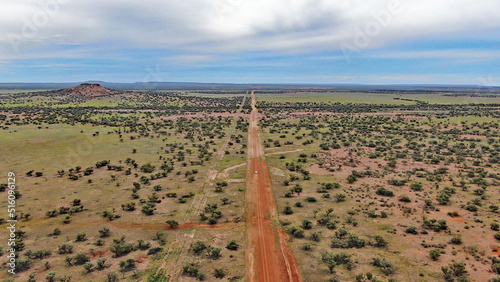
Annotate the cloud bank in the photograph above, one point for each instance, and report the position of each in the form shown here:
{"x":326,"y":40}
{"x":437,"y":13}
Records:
{"x":217,"y":26}
{"x":241,"y":39}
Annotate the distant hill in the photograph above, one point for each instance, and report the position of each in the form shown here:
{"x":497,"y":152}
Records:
{"x":88,"y":90}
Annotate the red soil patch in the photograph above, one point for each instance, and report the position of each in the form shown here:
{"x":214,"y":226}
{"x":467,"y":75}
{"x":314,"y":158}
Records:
{"x":495,"y":250}
{"x":458,"y":219}
{"x":267,"y":259}
{"x":98,"y":254}
{"x":141,"y":259}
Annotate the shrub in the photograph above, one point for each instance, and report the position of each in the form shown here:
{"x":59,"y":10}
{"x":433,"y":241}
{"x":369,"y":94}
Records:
{"x":213,"y":253}
{"x":340,"y":197}
{"x":147,"y":168}
{"x":416,"y":186}
{"x":456,"y":240}
{"x":232,"y":246}
{"x":127,"y":265}
{"x":198,"y":247}
{"x":65,"y":249}
{"x":219,"y":273}
{"x":306,"y":224}
{"x":347,"y":241}
{"x":332,"y":260}
{"x":404,"y":198}
{"x":193,"y":271}
{"x":154,"y":251}
{"x":351,"y":178}
{"x":396,"y":182}
{"x":101,"y":264}
{"x":50,"y":277}
{"x":112,"y":277}
{"x":497,"y":236}
{"x":80,"y":259}
{"x":384,"y":192}
{"x":411,"y":230}
{"x":386,"y":266}
{"x":311,"y":199}
{"x":88,"y":266}
{"x":434,"y":254}
{"x":23,"y":264}
{"x":121,"y":248}
{"x":456,"y":269}
{"x":172,"y":223}
{"x":379,"y":241}
{"x":56,"y":232}
{"x":80,"y":237}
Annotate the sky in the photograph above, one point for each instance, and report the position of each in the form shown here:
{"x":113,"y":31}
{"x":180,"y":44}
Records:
{"x":251,"y":41}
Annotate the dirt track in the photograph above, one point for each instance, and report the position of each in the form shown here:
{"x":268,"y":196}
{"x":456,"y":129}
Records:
{"x":268,"y":256}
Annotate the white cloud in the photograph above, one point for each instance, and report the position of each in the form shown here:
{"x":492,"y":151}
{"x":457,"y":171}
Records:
{"x":454,"y":54}
{"x":242,"y":25}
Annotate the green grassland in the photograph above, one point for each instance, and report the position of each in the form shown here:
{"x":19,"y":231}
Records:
{"x":48,"y":146}
{"x":192,"y":171}
{"x":371,"y":98}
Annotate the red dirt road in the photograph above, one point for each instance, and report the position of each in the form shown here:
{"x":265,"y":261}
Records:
{"x":268,"y":256}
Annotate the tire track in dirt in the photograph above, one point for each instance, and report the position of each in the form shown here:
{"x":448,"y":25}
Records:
{"x":225,"y":173}
{"x":147,"y":226}
{"x":268,"y":256}
{"x":285,"y":152}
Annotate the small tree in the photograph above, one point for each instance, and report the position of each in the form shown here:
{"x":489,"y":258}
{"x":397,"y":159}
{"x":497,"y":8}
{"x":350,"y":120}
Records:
{"x":379,"y":241}
{"x":101,"y":264}
{"x":497,"y":235}
{"x":288,"y":210}
{"x":213,"y":253}
{"x":219,"y":273}
{"x":104,"y":232}
{"x":456,"y":269}
{"x":232,"y":246}
{"x":172,"y":223}
{"x":56,"y":232}
{"x":329,"y":260}
{"x":307,"y":224}
{"x":50,"y":277}
{"x":112,"y":277}
{"x":411,"y":230}
{"x":127,"y":265}
{"x":80,"y":237}
{"x":434,"y":254}
{"x":198,"y":247}
{"x":88,"y":266}
{"x":456,"y":240}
